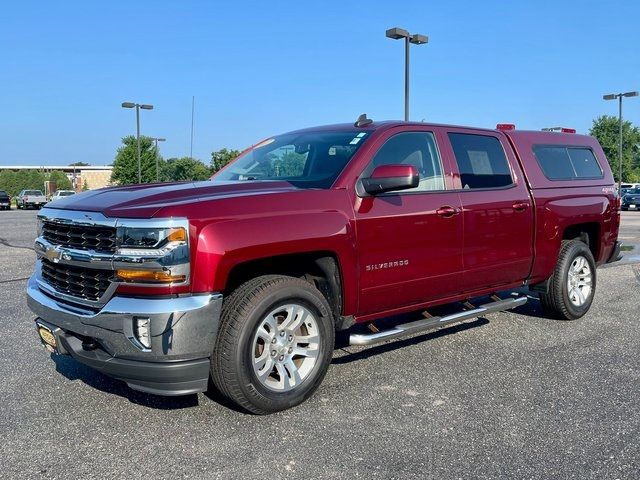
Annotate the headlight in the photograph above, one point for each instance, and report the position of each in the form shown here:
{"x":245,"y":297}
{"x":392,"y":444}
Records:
{"x":153,"y":254}
{"x":152,"y":237}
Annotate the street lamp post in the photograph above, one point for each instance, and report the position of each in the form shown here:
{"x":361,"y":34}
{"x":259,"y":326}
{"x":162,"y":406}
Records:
{"x":138,"y":106}
{"x":156,"y":140}
{"x":417,"y":39}
{"x":619,"y":96}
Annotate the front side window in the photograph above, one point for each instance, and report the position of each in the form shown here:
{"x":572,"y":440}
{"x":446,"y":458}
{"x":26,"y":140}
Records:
{"x":306,"y":160}
{"x":481,"y":161}
{"x":412,"y":148}
{"x":567,"y":163}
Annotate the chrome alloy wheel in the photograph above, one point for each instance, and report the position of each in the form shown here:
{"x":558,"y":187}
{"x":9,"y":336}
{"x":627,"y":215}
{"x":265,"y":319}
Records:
{"x":579,"y":281}
{"x":286,"y":347}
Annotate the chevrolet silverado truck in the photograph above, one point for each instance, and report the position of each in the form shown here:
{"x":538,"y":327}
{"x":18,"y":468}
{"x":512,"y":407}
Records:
{"x":245,"y":279}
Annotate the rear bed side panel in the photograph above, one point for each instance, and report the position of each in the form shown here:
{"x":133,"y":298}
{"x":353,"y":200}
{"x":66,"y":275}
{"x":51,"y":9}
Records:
{"x":559,"y":208}
{"x":562,"y":203}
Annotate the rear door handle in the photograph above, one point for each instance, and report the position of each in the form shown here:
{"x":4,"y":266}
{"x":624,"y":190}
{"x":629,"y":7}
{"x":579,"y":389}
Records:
{"x":447,"y":211}
{"x":520,"y":206}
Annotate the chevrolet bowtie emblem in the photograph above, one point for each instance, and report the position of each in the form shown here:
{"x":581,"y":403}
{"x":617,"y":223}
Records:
{"x":53,"y":254}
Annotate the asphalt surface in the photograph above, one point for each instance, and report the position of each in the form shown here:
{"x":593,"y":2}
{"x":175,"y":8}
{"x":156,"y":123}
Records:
{"x":513,"y":395}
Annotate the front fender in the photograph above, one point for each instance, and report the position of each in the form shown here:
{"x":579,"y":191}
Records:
{"x":223,"y":245}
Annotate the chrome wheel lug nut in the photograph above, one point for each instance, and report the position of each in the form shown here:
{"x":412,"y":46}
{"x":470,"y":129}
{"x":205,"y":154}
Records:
{"x":282,"y":334}
{"x":281,"y":358}
{"x":290,"y":350}
{"x":273,"y":340}
{"x":290,"y":337}
{"x":273,"y":353}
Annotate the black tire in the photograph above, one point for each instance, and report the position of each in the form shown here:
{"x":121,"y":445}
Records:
{"x":243,"y":312}
{"x":556,"y":302}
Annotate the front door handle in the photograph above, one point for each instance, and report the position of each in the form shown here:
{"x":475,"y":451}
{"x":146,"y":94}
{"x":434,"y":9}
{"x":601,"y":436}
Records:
{"x":521,"y":206}
{"x":447,"y":211}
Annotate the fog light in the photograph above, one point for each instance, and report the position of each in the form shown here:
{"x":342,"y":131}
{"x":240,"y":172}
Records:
{"x":142,"y":331}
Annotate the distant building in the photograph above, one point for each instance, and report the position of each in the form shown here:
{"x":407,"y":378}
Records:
{"x":91,"y":176}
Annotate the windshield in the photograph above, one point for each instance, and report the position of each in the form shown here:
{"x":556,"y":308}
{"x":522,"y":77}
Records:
{"x":33,"y":192}
{"x":306,"y":160}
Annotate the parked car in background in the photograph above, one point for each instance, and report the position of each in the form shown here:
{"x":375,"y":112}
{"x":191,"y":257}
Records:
{"x":61,"y":193}
{"x":5,"y":200}
{"x":30,"y":199}
{"x":631,"y":199}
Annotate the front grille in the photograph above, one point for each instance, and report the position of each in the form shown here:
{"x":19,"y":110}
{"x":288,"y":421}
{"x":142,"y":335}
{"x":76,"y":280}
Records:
{"x":86,"y":283}
{"x":83,"y":237}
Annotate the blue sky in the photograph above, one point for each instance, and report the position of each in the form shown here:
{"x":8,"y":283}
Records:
{"x":261,"y":68}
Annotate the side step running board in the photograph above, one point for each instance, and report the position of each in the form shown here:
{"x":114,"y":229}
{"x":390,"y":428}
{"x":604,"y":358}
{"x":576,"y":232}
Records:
{"x":433,"y":322}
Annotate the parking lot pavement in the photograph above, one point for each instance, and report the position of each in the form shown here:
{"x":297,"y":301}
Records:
{"x":513,"y":395}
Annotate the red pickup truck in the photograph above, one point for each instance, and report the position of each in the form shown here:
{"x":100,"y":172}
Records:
{"x":244,"y":279}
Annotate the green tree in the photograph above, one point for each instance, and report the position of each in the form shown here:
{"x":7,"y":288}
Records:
{"x":125,"y":166}
{"x":221,"y":157}
{"x":31,"y":179}
{"x":62,"y":181}
{"x":9,"y":182}
{"x":15,"y":181}
{"x":606,"y":129}
{"x":184,"y":169}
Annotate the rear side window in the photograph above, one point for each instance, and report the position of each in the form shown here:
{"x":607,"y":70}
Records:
{"x":567,"y":163}
{"x":481,"y":161}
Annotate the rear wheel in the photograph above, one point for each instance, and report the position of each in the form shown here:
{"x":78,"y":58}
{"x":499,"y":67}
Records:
{"x":274,"y":344}
{"x":573,"y":283}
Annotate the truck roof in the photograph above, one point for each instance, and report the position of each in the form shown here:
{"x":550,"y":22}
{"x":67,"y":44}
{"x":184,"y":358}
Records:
{"x":533,"y":135}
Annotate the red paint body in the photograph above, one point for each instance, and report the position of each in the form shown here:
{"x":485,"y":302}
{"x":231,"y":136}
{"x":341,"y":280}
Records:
{"x":396,"y":252}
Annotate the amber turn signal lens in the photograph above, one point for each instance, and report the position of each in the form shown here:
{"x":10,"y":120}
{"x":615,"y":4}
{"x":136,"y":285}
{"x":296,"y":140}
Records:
{"x":177,"y":235}
{"x":146,"y":276}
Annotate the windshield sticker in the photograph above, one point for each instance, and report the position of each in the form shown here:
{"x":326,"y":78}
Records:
{"x":361,"y":134}
{"x":332,"y":151}
{"x":355,"y":141}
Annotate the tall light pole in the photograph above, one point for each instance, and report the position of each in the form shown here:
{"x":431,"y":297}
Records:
{"x":619,"y":96}
{"x":138,"y":106}
{"x":417,"y":39}
{"x":156,"y":140}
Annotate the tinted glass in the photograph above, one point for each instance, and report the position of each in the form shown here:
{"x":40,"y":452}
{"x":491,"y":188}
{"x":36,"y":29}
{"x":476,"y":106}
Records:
{"x":584,"y":163}
{"x":567,"y":163}
{"x":481,"y":161}
{"x":32,"y":192}
{"x":306,"y":160}
{"x":412,"y":148}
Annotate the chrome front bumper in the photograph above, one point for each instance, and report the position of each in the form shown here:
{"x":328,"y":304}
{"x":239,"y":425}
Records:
{"x":181,"y":328}
{"x":183,"y":332}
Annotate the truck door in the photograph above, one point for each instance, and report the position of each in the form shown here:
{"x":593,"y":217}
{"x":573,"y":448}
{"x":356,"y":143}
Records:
{"x":497,"y":210}
{"x":410,"y":241}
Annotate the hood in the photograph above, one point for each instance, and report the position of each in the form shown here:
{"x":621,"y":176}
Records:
{"x":144,"y":201}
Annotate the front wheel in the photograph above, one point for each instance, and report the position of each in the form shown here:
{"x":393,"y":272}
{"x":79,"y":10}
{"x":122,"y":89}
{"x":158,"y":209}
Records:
{"x":274,"y":344}
{"x":573,"y":283}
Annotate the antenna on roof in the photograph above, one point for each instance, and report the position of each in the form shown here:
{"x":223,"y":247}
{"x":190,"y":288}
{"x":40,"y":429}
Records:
{"x":363,"y":121}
